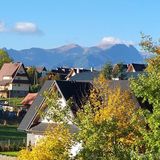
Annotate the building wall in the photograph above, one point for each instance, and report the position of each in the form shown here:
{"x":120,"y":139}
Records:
{"x":32,"y":138}
{"x":2,"y":88}
{"x":17,"y":93}
{"x":46,"y":119}
{"x":19,"y":87}
{"x":7,"y":77}
{"x":3,"y":94}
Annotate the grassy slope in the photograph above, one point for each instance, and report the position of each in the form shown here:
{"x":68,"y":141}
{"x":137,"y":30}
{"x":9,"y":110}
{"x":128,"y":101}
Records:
{"x":13,"y":101}
{"x":10,"y":132}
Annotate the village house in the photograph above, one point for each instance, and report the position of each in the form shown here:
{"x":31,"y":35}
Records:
{"x":134,"y":67}
{"x":61,"y":72}
{"x":14,"y":81}
{"x":85,"y":76}
{"x":127,"y":71}
{"x":34,"y":124}
{"x":74,"y":71}
{"x":41,"y":72}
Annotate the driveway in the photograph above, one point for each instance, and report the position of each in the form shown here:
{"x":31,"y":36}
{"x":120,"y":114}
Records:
{"x":7,"y":158}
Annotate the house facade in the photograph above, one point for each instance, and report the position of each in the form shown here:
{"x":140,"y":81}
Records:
{"x":35,"y":125}
{"x":14,"y":81}
{"x":134,"y":67}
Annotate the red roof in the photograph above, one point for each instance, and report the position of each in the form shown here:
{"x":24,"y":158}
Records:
{"x":30,"y":97}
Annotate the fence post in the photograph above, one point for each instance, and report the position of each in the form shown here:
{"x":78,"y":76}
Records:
{"x":9,"y":142}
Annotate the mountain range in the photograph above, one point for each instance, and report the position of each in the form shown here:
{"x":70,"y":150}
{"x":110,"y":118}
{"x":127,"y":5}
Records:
{"x":74,"y":55}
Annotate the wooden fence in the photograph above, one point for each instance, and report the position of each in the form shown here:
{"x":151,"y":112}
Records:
{"x":12,"y":144}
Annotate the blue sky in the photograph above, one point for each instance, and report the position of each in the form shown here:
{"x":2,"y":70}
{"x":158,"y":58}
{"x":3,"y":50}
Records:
{"x":52,"y":23}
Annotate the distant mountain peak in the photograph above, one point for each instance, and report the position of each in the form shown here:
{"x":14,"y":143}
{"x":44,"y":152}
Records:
{"x":108,"y":42}
{"x":69,"y":46}
{"x":73,"y":55}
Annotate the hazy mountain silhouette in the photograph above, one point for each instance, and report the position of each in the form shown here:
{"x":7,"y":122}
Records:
{"x":73,"y":55}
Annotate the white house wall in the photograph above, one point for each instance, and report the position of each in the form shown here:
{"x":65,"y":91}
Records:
{"x":46,"y":119}
{"x":7,"y":77}
{"x":32,"y":138}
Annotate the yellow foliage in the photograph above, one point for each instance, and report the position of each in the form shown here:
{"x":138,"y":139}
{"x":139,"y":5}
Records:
{"x":114,"y":104}
{"x":55,"y":145}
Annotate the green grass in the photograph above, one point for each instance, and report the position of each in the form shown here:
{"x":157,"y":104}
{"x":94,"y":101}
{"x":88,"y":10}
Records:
{"x":10,"y":132}
{"x":13,"y":101}
{"x":11,"y":153}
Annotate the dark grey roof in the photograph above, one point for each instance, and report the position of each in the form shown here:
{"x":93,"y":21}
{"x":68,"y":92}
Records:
{"x":129,"y":75}
{"x":25,"y":123}
{"x":42,"y":127}
{"x":77,"y":90}
{"x":85,"y":76}
{"x":123,"y":84}
{"x":68,"y":89}
{"x":139,"y":67}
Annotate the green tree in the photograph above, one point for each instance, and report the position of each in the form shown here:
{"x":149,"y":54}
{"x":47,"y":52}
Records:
{"x":107,"y":127}
{"x":32,"y":73}
{"x":147,"y":88}
{"x":107,"y":70}
{"x":107,"y":124}
{"x":118,"y":71}
{"x":4,"y":57}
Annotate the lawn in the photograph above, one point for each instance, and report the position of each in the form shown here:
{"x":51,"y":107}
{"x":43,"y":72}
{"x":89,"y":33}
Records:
{"x":12,"y":153}
{"x":13,"y":101}
{"x":10,"y":132}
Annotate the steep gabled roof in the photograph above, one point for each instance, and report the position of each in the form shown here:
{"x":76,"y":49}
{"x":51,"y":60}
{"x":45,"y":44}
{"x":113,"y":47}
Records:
{"x":77,"y":90}
{"x":40,"y":69}
{"x":67,"y":89}
{"x":138,"y":67}
{"x":9,"y":69}
{"x":36,"y":105}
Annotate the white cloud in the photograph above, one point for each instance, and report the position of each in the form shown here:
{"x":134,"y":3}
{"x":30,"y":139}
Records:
{"x":2,"y":27}
{"x":110,"y":41}
{"x":26,"y":27}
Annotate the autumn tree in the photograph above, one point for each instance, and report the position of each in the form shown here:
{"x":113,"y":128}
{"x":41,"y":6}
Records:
{"x":118,"y":71}
{"x":55,"y":145}
{"x":109,"y":71}
{"x":107,"y":124}
{"x":147,"y":88}
{"x":4,"y":57}
{"x":107,"y":127}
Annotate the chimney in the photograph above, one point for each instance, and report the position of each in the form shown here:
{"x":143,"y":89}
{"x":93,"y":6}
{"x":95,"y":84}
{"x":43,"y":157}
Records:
{"x":77,"y":70}
{"x":92,"y":69}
